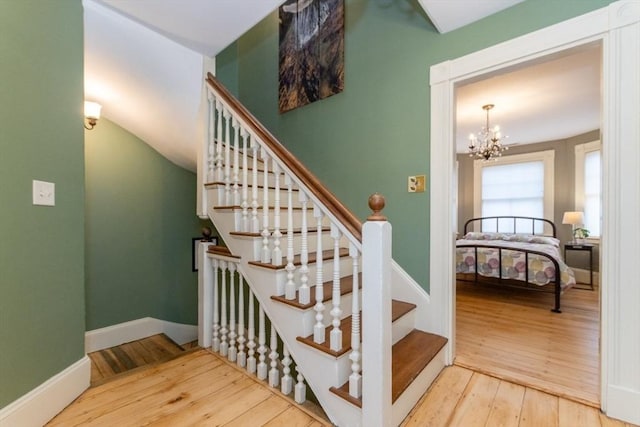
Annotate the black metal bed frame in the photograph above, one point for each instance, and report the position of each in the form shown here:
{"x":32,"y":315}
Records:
{"x":503,"y":281}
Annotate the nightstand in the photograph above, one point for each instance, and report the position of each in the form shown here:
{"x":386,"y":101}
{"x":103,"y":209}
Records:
{"x":582,"y":247}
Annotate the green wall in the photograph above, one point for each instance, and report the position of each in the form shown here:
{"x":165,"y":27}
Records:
{"x":140,"y":218}
{"x":375,"y":134}
{"x":41,"y":248}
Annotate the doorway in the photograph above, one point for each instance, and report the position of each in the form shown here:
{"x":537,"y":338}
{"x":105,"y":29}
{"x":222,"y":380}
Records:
{"x":617,"y":26}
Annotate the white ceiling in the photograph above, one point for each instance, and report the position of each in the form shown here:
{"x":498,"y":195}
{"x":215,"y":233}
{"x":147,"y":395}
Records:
{"x":145,"y":62}
{"x":448,"y":15}
{"x":554,"y":98}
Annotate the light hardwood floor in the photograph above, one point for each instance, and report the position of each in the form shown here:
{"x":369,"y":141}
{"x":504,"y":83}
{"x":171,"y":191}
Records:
{"x":512,"y":334}
{"x":461,"y":397}
{"x":198,"y":388}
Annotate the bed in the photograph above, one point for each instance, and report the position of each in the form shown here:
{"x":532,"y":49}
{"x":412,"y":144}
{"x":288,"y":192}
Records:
{"x":513,"y":251}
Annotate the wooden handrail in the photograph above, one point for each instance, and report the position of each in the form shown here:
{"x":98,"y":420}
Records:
{"x":350,"y":221}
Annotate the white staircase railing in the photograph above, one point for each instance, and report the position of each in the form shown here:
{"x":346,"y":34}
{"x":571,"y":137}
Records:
{"x":293,"y":224}
{"x":231,"y":326}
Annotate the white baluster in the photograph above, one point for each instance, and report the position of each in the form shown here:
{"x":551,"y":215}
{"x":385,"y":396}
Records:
{"x":242,"y":355}
{"x":300,"y":395}
{"x":211,"y":142}
{"x":276,"y":258}
{"x":251,"y":335}
{"x":290,"y":287}
{"x":335,"y":338}
{"x":255,"y":223}
{"x":318,"y":328}
{"x":218,"y":139}
{"x":227,"y":158}
{"x":245,"y":181}
{"x":304,"y":293}
{"x":235,"y":177}
{"x":355,"y":379}
{"x":266,"y":253}
{"x":215,"y":343}
{"x":233,"y":351}
{"x":262,"y":348}
{"x":274,"y":375}
{"x":286,"y":386}
{"x":224,"y":345}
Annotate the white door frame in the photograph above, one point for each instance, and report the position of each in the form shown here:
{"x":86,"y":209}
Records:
{"x":617,"y":27}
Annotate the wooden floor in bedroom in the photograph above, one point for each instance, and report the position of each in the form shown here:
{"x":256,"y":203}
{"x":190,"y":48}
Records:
{"x":511,"y":334}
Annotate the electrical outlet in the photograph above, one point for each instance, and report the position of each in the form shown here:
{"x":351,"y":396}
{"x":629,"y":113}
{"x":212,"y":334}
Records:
{"x":417,"y":183}
{"x":44,"y":193}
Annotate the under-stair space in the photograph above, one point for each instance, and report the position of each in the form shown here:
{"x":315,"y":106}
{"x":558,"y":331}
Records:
{"x":303,"y":294}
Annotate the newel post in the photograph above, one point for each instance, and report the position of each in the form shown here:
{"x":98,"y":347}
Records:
{"x":205,"y":295}
{"x":376,"y":317}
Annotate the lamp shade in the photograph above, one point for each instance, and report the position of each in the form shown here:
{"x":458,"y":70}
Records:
{"x":92,"y":110}
{"x":573,"y":218}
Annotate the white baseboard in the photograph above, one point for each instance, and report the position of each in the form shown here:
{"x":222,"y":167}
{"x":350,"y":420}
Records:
{"x":582,"y":276}
{"x":44,"y":402}
{"x":121,"y":333}
{"x":623,"y":404}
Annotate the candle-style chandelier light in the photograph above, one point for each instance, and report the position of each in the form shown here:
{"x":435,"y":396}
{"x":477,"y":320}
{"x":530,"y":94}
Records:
{"x":486,"y":145}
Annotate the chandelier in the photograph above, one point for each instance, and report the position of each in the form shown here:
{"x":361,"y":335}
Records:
{"x":486,"y":145}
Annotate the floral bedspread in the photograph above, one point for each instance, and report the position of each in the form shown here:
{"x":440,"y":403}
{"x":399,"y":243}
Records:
{"x":541,"y":269}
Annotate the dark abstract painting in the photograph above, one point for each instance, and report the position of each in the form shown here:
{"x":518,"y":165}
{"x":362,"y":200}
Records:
{"x":311,"y":51}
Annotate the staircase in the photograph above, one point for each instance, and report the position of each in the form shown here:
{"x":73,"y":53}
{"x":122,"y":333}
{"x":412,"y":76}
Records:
{"x":300,"y":268}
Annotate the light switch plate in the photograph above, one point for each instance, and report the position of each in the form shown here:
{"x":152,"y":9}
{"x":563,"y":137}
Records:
{"x":417,"y":184}
{"x":44,"y":193}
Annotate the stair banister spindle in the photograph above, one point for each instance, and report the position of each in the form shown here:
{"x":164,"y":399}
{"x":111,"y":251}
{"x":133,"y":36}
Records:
{"x":274,"y":375}
{"x":233,"y":351}
{"x":211,"y":142}
{"x":265,"y":253}
{"x":245,"y":181}
{"x":300,"y":395}
{"x":318,"y":328}
{"x":235,"y":177}
{"x":215,"y":343}
{"x":251,"y":335}
{"x":355,"y":379}
{"x":376,"y":318}
{"x":335,"y":337}
{"x":304,"y":292}
{"x":262,"y":348}
{"x":242,"y":355}
{"x":286,"y":385}
{"x":290,"y":287}
{"x":255,"y":223}
{"x":224,"y":345}
{"x":218,"y":139}
{"x":227,"y":157}
{"x":276,"y":257}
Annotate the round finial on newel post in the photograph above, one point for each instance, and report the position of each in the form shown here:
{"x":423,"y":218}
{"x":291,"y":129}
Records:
{"x":376,"y":204}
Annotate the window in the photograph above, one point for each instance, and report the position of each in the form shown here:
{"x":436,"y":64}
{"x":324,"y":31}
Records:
{"x":588,"y":188}
{"x":519,"y":185}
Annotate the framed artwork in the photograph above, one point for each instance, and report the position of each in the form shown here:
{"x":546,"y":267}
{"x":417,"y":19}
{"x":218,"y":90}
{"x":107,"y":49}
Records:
{"x":196,"y":250}
{"x":311,"y":51}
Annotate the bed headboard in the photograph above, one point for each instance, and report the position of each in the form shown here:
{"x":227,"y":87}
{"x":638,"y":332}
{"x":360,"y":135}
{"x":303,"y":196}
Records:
{"x":509,"y":224}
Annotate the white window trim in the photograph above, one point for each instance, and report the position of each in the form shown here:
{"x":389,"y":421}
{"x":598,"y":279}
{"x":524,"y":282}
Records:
{"x":580,"y":151}
{"x":547,"y":157}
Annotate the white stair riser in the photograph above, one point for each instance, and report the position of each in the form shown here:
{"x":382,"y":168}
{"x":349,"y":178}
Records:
{"x":410,"y":397}
{"x":218,"y":196}
{"x":278,"y":279}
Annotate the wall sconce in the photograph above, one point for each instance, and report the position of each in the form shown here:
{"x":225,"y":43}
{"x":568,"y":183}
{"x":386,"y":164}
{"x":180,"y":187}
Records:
{"x":91,"y":114}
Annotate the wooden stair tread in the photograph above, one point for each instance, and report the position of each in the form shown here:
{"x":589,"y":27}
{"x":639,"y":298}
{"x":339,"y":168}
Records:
{"x":398,"y":309}
{"x":232,"y":207}
{"x":221,"y":250}
{"x":259,"y":234}
{"x":326,"y":255}
{"x":346,"y":287}
{"x":409,"y":357}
